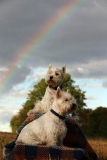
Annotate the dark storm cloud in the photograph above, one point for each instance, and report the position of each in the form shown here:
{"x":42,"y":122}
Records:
{"x":18,"y":77}
{"x":81,"y":39}
{"x":101,"y":2}
{"x":95,"y":74}
{"x":18,"y":21}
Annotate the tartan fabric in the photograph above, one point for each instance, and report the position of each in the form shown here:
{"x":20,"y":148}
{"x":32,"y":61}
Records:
{"x":76,"y":138}
{"x":22,"y":152}
{"x":75,"y":146}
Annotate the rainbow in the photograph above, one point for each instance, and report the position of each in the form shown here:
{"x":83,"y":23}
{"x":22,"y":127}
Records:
{"x":45,"y":32}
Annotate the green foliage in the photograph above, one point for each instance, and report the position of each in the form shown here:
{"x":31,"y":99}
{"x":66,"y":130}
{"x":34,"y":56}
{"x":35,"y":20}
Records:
{"x":93,"y":122}
{"x":37,"y":94}
{"x":98,"y":122}
{"x":14,"y":123}
{"x":84,"y":116}
{"x":79,"y":95}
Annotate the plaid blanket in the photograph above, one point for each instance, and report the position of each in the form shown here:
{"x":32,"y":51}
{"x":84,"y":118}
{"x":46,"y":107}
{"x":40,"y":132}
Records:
{"x":75,"y":146}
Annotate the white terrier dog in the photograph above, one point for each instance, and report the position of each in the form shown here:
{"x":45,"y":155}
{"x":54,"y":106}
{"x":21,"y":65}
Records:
{"x":54,"y":78}
{"x":50,"y":128}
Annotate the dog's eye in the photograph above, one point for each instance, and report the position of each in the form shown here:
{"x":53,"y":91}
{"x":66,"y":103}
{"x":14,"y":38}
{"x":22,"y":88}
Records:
{"x":66,"y":100}
{"x":57,"y":74}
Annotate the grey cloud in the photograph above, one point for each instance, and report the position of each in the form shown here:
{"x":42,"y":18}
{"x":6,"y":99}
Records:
{"x":80,"y":33}
{"x":95,"y":74}
{"x":84,"y":39}
{"x":102,"y":2}
{"x":80,"y":39}
{"x":5,"y":117}
{"x":105,"y":84}
{"x":21,"y":73}
{"x":19,"y":21}
{"x":18,"y":77}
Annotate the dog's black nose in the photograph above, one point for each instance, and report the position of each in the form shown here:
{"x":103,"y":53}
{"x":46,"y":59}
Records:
{"x":51,"y":77}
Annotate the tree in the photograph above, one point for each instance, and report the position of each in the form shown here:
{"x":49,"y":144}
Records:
{"x":37,"y":94}
{"x":83,"y":120}
{"x":98,"y":122}
{"x":79,"y":95}
{"x":14,"y":123}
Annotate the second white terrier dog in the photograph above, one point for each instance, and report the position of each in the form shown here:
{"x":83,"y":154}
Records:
{"x":50,"y":128}
{"x":54,"y":78}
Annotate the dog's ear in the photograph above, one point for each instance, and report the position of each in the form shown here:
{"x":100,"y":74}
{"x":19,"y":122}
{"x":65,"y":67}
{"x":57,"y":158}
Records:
{"x":63,"y":69}
{"x":50,"y":66}
{"x":58,"y":92}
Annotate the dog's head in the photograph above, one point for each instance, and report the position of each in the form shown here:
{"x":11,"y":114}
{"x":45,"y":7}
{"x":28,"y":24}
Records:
{"x":54,"y":76}
{"x":65,"y":102}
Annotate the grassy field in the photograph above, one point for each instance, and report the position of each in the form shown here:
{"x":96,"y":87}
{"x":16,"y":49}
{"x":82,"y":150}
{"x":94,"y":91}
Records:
{"x":99,"y":145}
{"x":4,"y":139}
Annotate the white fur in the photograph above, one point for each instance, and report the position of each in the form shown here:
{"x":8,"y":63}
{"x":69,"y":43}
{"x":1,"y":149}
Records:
{"x":57,"y":77}
{"x":49,"y":129}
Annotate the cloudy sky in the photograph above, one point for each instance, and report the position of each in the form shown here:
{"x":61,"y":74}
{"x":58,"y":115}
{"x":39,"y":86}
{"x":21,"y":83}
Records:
{"x":34,"y":34}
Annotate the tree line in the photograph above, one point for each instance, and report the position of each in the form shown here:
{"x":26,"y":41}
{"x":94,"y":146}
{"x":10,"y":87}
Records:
{"x":92,"y":122}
